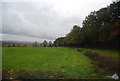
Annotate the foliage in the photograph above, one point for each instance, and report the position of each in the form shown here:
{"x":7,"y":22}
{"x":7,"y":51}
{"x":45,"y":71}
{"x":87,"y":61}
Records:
{"x":106,"y":63}
{"x":100,"y":29}
{"x":72,"y":38}
{"x":45,"y":43}
{"x":13,"y":45}
{"x":7,"y":74}
{"x":35,"y":44}
{"x":60,"y":41}
{"x":29,"y":74}
{"x":50,"y":44}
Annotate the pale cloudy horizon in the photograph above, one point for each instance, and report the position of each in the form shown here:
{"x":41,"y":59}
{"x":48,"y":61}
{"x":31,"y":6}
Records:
{"x":45,"y":19}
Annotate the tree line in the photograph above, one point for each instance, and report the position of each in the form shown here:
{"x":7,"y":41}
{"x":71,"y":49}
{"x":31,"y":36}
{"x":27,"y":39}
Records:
{"x":101,"y":29}
{"x":32,"y":44}
{"x":44,"y":44}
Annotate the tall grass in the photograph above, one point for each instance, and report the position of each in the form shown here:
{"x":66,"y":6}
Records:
{"x":103,"y":63}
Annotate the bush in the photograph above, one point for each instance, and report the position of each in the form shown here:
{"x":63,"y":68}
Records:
{"x":7,"y":74}
{"x":107,"y":63}
{"x":28,"y":74}
{"x":90,"y":54}
{"x":80,"y":50}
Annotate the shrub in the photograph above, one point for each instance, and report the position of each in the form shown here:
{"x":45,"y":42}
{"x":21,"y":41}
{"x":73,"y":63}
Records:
{"x":7,"y":74}
{"x":27,"y":74}
{"x":80,"y":50}
{"x":107,"y":63}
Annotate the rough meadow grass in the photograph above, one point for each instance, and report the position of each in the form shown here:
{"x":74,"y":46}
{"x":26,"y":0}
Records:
{"x":57,"y":59}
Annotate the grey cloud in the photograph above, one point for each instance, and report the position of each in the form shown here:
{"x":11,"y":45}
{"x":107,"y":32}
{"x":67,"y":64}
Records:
{"x":36,"y":21}
{"x":41,"y":22}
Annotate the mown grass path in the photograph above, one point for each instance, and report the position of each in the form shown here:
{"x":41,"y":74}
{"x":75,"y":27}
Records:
{"x":59,"y":59}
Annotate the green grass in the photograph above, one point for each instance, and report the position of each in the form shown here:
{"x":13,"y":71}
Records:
{"x":112,"y":53}
{"x":60,"y":59}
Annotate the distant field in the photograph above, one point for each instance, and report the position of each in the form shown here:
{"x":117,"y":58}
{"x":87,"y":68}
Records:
{"x":113,"y":53}
{"x":59,"y":59}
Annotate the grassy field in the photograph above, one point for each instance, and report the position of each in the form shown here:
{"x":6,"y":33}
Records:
{"x":59,"y":59}
{"x":112,"y":53}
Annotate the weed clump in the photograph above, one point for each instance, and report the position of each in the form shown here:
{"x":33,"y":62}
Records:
{"x":80,"y":50}
{"x":28,"y":74}
{"x":7,"y":74}
{"x":104,"y":64}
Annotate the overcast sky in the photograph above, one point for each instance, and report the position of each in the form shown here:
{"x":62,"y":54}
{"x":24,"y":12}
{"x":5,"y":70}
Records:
{"x":44,"y":19}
